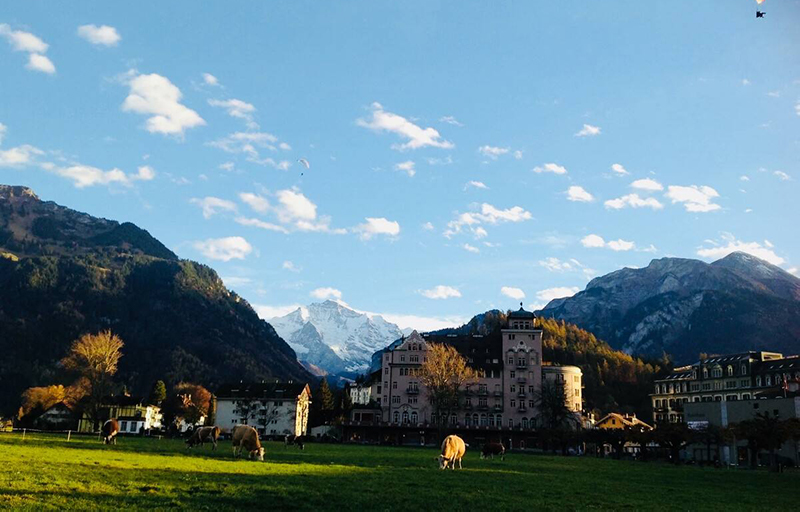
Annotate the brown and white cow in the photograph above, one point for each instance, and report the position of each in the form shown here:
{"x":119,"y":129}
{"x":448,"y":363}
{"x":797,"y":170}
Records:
{"x":202,"y":435}
{"x":453,"y":449}
{"x":245,"y":436}
{"x":293,"y":440}
{"x":110,"y":430}
{"x":492,"y":449}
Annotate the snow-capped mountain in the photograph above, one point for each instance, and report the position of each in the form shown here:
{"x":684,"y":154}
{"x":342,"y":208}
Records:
{"x":333,"y":337}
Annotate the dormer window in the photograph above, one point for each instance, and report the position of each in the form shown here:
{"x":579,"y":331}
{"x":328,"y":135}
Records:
{"x":730,"y":371}
{"x":744,"y":369}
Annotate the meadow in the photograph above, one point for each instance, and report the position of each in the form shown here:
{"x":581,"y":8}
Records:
{"x":49,"y":472}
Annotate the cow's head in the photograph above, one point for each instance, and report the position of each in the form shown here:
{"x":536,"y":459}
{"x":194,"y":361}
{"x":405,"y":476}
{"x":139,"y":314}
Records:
{"x":258,"y":454}
{"x":442,"y":462}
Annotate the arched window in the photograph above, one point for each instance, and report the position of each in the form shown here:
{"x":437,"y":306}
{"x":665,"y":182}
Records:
{"x":396,"y":417}
{"x":453,"y":419}
{"x":491,"y":420}
{"x":483,"y":420}
{"x":524,"y":422}
{"x":744,"y":369}
{"x":730,"y":371}
{"x":510,"y":422}
{"x":705,"y":373}
{"x":758,"y":380}
{"x":499,"y":421}
{"x":414,"y":418}
{"x":475,"y":419}
{"x":467,"y":420}
{"x":405,"y":416}
{"x":768,"y":381}
{"x":716,"y":372}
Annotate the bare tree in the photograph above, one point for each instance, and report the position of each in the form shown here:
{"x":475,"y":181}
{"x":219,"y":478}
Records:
{"x":444,"y":373}
{"x":95,"y":357}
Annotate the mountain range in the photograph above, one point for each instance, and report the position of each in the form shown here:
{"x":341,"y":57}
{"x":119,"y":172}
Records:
{"x":335,"y":338}
{"x":64,"y":273}
{"x":684,"y":307}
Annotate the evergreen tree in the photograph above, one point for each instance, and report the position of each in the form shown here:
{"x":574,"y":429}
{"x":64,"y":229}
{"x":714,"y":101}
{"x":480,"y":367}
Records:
{"x":158,"y":393}
{"x":325,"y":397}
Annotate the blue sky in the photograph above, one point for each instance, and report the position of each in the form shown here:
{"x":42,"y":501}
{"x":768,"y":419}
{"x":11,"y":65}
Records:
{"x":462,"y":155}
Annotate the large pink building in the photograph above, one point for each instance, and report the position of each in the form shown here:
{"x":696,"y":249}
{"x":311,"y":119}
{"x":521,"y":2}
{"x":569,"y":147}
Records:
{"x":511,"y":367}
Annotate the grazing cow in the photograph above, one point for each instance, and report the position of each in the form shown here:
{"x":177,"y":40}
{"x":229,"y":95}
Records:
{"x":453,"y":449}
{"x":245,"y":436}
{"x":110,"y":430}
{"x":492,"y":449}
{"x":203,"y":434}
{"x":291,"y":439}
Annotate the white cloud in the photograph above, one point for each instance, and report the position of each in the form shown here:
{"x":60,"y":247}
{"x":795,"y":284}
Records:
{"x":774,"y":94}
{"x":694,"y":198}
{"x":782,"y":175}
{"x":617,"y":168}
{"x":210,"y":79}
{"x":103,"y":35}
{"x":555,"y":265}
{"x":238,"y":109}
{"x":155,"y":96}
{"x":377,"y":226}
{"x":258,"y":223}
{"x":291,"y":267}
{"x":224,"y":249}
{"x":417,"y":136}
{"x":3,"y":130}
{"x":407,"y":167}
{"x":248,"y":142}
{"x":550,"y":167}
{"x":493,"y":151}
{"x":593,"y":241}
{"x":489,"y":215}
{"x":647,"y":184}
{"x":470,"y":248}
{"x":745,"y":81}
{"x":549,"y":294}
{"x":450,"y":120}
{"x":518,"y":154}
{"x":744,"y":178}
{"x":794,"y":271}
{"x":41,"y":63}
{"x":579,"y":194}
{"x":87,"y":176}
{"x":588,"y":131}
{"x":514,"y":293}
{"x":21,"y":41}
{"x":144,"y":173}
{"x":634,"y":201}
{"x":717,"y":250}
{"x":441,"y":292}
{"x":326,"y":293}
{"x":428,"y":226}
{"x":213,"y":205}
{"x":476,"y":184}
{"x":255,"y":201}
{"x":19,"y":156}
{"x":227,"y":166}
{"x":620,"y":245}
{"x":768,"y":243}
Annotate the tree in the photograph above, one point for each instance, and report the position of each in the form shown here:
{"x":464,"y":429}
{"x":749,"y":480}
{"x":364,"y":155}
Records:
{"x":673,"y":436}
{"x":95,"y":357}
{"x":39,"y":399}
{"x":187,"y":401}
{"x":444,"y":373}
{"x":766,"y":432}
{"x":158,"y":393}
{"x":551,"y":399}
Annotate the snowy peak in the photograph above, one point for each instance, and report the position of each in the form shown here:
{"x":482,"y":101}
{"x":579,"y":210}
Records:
{"x":334,"y":337}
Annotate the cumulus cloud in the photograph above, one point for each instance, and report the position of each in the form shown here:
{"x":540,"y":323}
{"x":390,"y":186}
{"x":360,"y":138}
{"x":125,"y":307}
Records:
{"x":744,"y":178}
{"x":247,"y":143}
{"x":549,"y":294}
{"x":476,"y":184}
{"x":407,"y":167}
{"x":596,"y":241}
{"x":441,"y":292}
{"x":416,"y":136}
{"x":782,"y":176}
{"x":238,"y":109}
{"x":647,"y":184}
{"x":255,"y":201}
{"x":620,"y":245}
{"x":224,"y":249}
{"x":579,"y":194}
{"x":518,"y":154}
{"x":428,"y":226}
{"x":731,"y":244}
{"x":210,"y":79}
{"x":326,"y":293}
{"x":260,"y":224}
{"x":470,"y":248}
{"x":493,"y":151}
{"x":588,"y":131}
{"x":291,"y":267}
{"x":27,"y":42}
{"x":556,"y":265}
{"x":593,"y":241}
{"x":694,"y":198}
{"x":619,"y":169}
{"x":84,"y":176}
{"x":633,"y":201}
{"x":213,"y":205}
{"x":103,"y":35}
{"x":514,"y":293}
{"x":488,"y":214}
{"x":155,"y":96}
{"x":19,"y":156}
{"x":550,"y":167}
{"x":377,"y":226}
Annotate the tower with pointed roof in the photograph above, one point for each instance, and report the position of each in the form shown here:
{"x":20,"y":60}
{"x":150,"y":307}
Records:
{"x":522,"y":368}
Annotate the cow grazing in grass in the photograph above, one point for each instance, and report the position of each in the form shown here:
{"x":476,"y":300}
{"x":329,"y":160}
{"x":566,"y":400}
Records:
{"x":202,"y":435}
{"x":492,"y":449}
{"x":291,"y":439}
{"x":110,"y":430}
{"x":245,"y":436}
{"x":453,"y":449}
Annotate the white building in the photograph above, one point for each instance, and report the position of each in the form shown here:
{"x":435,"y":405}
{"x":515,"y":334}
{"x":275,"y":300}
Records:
{"x":274,"y":409}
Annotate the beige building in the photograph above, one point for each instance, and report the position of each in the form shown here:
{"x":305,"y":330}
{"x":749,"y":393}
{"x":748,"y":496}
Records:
{"x":720,"y":378}
{"x":133,"y":414}
{"x":511,"y":368}
{"x":274,"y":409}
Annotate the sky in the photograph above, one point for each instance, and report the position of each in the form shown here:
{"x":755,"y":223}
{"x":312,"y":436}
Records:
{"x":427,"y":160}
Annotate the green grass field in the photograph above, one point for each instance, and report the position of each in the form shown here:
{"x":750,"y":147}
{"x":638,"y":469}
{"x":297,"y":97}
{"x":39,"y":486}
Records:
{"x":49,"y":472}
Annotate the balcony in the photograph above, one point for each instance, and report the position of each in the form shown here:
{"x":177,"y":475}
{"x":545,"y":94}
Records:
{"x":522,"y":408}
{"x":412,"y":391}
{"x":521,"y":380}
{"x":498,"y":393}
{"x":483,"y":392}
{"x":468,"y":407}
{"x":521,"y":394}
{"x":483,"y":407}
{"x":522,"y":364}
{"x":498,"y":408}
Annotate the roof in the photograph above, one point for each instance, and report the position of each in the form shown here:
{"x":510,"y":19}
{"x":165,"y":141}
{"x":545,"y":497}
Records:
{"x":125,"y":400}
{"x":481,"y":351}
{"x":262,"y":390}
{"x":521,"y":313}
{"x":628,"y":421}
{"x":780,"y":365}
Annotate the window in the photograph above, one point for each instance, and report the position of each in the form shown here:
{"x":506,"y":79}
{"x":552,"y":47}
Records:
{"x":123,"y":426}
{"x":730,"y":371}
{"x":513,"y":403}
{"x":744,"y":369}
{"x":513,"y":374}
{"x":717,"y":385}
{"x":510,"y":422}
{"x":467,"y":420}
{"x":513,"y":389}
{"x":396,"y":399}
{"x":396,"y":417}
{"x":499,"y":421}
{"x":696,"y":399}
{"x":524,"y":422}
{"x":716,"y":372}
{"x":394,"y":385}
{"x":484,"y":420}
{"x":768,"y":380}
{"x":718,"y":398}
{"x":730,"y":384}
{"x":491,"y":420}
{"x":386,"y":370}
{"x":746,"y":396}
{"x":706,"y":386}
{"x":414,"y":359}
{"x":402,"y":358}
{"x":531,"y":404}
{"x":695,"y":387}
{"x":705,"y":373}
{"x":744,"y":383}
{"x":758,"y":380}
{"x":510,"y":359}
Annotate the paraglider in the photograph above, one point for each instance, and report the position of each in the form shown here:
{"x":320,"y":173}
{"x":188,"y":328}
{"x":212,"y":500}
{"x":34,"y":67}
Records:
{"x":304,"y":162}
{"x":760,"y":14}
